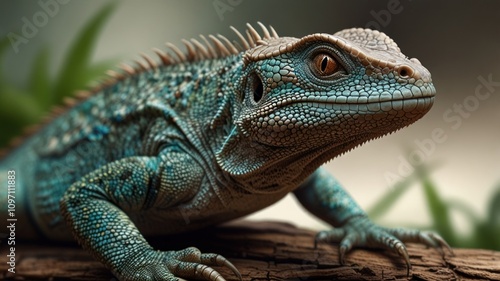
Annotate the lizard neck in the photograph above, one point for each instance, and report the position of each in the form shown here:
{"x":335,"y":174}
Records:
{"x":263,"y":169}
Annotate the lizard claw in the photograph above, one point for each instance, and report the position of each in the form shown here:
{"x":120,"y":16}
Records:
{"x":360,"y":231}
{"x":189,"y":263}
{"x":428,"y":238}
{"x":218,"y":260}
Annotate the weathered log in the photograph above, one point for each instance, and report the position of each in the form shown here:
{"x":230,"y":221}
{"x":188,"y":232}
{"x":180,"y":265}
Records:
{"x":266,"y":251}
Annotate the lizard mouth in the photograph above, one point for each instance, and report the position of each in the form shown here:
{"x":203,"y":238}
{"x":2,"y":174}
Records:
{"x":417,"y":104}
{"x":380,"y":116}
{"x":418,"y":99}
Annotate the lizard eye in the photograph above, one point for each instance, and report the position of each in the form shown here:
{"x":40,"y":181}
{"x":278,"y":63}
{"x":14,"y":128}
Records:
{"x":254,"y":87}
{"x":324,"y":65}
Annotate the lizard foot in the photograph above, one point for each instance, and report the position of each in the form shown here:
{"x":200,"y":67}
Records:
{"x":174,"y":265}
{"x":360,"y":231}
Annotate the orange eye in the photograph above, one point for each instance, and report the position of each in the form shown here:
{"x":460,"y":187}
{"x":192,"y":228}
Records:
{"x":325,"y":64}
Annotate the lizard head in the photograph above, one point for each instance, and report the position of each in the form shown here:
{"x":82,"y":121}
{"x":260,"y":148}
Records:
{"x":308,"y":100}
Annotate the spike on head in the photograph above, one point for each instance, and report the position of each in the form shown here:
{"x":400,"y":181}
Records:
{"x":201,"y":49}
{"x":151,"y":63}
{"x":219,"y":46}
{"x":213,"y":53}
{"x":164,"y":57}
{"x":233,"y":50}
{"x":251,"y":42}
{"x":180,"y":55}
{"x":127,"y":68}
{"x":264,"y":30}
{"x":274,"y":34}
{"x":114,"y":74}
{"x":243,"y":41}
{"x":191,"y":54}
{"x":254,"y":34}
{"x":140,"y":64}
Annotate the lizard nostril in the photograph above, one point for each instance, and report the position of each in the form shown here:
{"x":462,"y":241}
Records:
{"x":405,"y":71}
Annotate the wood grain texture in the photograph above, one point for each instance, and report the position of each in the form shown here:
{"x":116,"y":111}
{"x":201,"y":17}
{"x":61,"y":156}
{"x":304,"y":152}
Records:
{"x":266,"y":251}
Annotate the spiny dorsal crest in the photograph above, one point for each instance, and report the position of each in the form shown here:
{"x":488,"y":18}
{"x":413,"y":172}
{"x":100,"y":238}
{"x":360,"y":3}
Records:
{"x":371,"y":47}
{"x":212,"y":48}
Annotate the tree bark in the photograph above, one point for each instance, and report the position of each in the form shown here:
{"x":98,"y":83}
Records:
{"x":266,"y":251}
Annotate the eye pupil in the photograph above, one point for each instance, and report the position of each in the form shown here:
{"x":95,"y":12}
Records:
{"x":324,"y":64}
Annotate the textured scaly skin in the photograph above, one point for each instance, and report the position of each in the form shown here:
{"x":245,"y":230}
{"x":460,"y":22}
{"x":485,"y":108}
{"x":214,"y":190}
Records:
{"x":215,"y":136}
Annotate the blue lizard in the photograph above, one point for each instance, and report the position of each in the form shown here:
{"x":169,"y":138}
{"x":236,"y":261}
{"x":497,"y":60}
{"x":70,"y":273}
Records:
{"x":211,"y":134}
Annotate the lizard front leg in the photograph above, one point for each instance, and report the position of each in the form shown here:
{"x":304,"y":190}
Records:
{"x":323,"y":196}
{"x":96,"y":208}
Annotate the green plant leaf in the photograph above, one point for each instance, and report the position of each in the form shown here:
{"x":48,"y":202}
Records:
{"x":98,"y":70}
{"x":39,"y":82}
{"x":493,"y":221}
{"x":4,"y":42}
{"x":464,"y":209}
{"x":475,"y":222}
{"x":438,"y":209}
{"x":16,"y":105}
{"x":388,"y":200}
{"x":72,"y":74}
{"x":494,"y":209}
{"x":20,"y":109}
{"x":25,"y":107}
{"x":486,"y":231}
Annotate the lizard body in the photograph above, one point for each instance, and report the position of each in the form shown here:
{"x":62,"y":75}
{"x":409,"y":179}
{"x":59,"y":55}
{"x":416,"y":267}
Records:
{"x":214,"y":134}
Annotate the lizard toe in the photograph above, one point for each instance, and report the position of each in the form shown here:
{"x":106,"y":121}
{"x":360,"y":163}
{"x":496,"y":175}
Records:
{"x":196,"y":271}
{"x":329,"y":236}
{"x":218,"y":260}
{"x":191,"y":263}
{"x":361,"y":232}
{"x":428,"y":238}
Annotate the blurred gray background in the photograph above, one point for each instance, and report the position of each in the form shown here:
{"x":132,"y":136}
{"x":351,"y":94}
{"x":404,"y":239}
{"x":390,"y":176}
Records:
{"x":458,"y":41}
